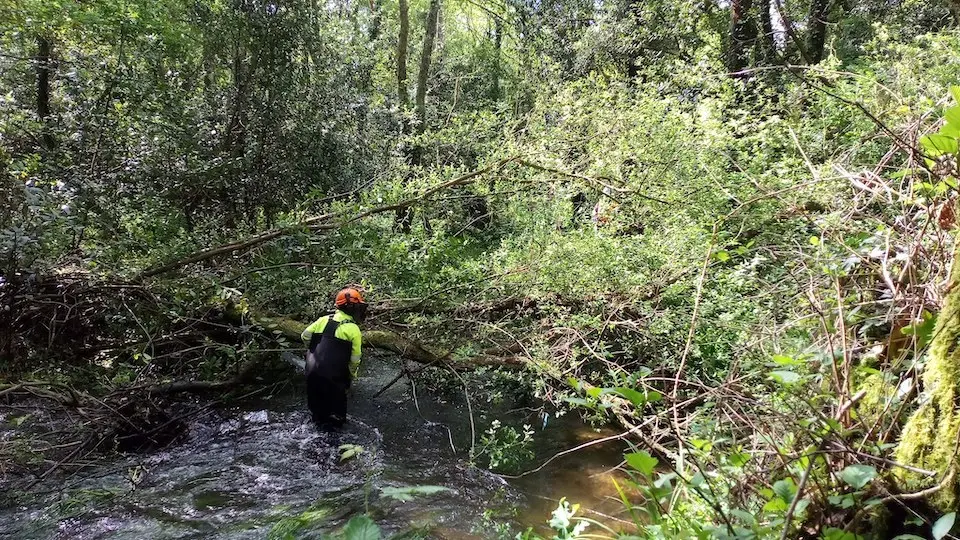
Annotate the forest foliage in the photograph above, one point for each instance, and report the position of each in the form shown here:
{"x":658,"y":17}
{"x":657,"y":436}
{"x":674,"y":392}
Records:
{"x":725,"y":226}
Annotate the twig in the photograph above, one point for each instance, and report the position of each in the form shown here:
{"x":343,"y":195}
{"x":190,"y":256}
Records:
{"x":689,"y":342}
{"x":588,"y":444}
{"x":806,"y":473}
{"x":466,"y":395}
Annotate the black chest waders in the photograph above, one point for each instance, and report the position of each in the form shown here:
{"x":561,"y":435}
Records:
{"x":328,"y":375}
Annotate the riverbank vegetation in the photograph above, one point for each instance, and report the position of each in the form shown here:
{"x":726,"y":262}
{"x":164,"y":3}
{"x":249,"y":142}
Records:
{"x":725,"y":227}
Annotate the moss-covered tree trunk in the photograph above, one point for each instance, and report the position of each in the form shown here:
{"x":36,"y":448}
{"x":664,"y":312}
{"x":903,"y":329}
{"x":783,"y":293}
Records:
{"x":930,"y":437}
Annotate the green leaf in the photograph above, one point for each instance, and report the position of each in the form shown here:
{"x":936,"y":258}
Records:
{"x":814,"y":240}
{"x":782,"y":360}
{"x":348,"y":451}
{"x":361,"y":528}
{"x":784,"y":377}
{"x":922,"y":329}
{"x":697,"y":480}
{"x":953,"y":116}
{"x":635,"y":397}
{"x":642,"y":461}
{"x":405,"y":494}
{"x":858,"y":475}
{"x":580,"y":402}
{"x":704,"y":445}
{"x":785,"y":489}
{"x":938,"y":145}
{"x":842,"y":501}
{"x":745,"y":517}
{"x":955,"y":90}
{"x":722,"y":256}
{"x":943,"y":525}
{"x":951,"y":130}
{"x":832,"y":533}
{"x":775,"y":505}
{"x":738,"y":459}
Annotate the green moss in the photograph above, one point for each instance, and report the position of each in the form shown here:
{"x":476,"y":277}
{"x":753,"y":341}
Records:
{"x":929,"y":438}
{"x":880,"y":390}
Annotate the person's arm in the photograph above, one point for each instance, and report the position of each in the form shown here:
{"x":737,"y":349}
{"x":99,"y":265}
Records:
{"x":356,"y":339}
{"x":308,"y":332}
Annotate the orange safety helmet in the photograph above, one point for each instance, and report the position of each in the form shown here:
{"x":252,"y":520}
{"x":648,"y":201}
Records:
{"x":348,"y":296}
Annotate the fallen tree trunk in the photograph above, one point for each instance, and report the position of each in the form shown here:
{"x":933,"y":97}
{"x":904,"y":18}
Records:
{"x":379,"y":339}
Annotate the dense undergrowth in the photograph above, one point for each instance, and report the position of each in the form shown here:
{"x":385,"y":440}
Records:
{"x":743,"y":272}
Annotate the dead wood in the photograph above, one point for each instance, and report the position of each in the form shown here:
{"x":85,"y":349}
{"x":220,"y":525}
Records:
{"x":387,"y":340}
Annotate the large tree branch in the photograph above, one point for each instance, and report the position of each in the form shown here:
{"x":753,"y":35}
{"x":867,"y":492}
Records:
{"x":377,"y":339}
{"x":322,"y":222}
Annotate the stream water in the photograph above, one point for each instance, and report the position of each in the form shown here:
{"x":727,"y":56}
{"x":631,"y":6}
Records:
{"x":239,"y":470}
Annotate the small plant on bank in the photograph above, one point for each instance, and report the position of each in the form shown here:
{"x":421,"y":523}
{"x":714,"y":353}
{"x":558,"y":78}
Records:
{"x":505,"y":447}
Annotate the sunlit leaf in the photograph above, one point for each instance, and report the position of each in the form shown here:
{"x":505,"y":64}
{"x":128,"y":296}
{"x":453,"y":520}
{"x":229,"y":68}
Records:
{"x":938,"y":145}
{"x":738,"y":459}
{"x":580,"y":402}
{"x":783,"y":360}
{"x":637,"y":398}
{"x":642,"y":461}
{"x":953,"y":117}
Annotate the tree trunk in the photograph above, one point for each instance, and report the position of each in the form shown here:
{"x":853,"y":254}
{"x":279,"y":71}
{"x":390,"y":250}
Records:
{"x":425,"y":58}
{"x":929,"y":438}
{"x":403,"y":216}
{"x":635,"y":15}
{"x":742,"y":34}
{"x":498,"y":47}
{"x":383,"y":340}
{"x":768,"y":48}
{"x":375,"y":21}
{"x":817,"y":35}
{"x":44,"y":68}
{"x":403,"y":96}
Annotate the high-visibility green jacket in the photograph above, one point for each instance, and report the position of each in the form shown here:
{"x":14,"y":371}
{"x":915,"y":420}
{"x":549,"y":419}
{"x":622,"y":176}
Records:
{"x":348,"y":330}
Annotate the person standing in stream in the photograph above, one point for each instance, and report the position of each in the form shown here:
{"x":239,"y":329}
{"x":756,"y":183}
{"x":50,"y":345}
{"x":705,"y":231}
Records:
{"x":333,"y":358}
